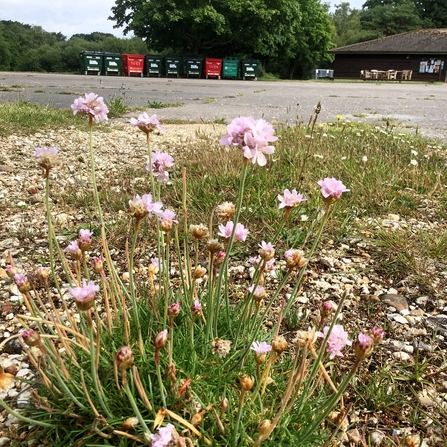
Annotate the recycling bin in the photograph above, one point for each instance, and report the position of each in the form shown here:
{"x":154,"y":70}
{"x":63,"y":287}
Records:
{"x":213,"y":67}
{"x":250,"y":69}
{"x":112,"y":64}
{"x":192,"y":67}
{"x":154,"y":65}
{"x":91,"y":62}
{"x":172,"y":66}
{"x":230,"y":68}
{"x":133,"y":64}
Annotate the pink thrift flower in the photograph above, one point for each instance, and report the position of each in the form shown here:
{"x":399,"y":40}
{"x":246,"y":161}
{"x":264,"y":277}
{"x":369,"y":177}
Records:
{"x":160,"y":162}
{"x":197,"y":308}
{"x":84,"y":295}
{"x":332,"y":188}
{"x":266,"y":251}
{"x":163,"y":437}
{"x":174,"y":309}
{"x":85,"y":236}
{"x":151,"y":207}
{"x":258,"y":293}
{"x":166,"y":220}
{"x":46,"y":157}
{"x":73,"y":250}
{"x":256,"y":148}
{"x":20,"y":280}
{"x":290,"y":199}
{"x":236,"y":131}
{"x":337,"y":340}
{"x":91,"y":105}
{"x":261,"y":348}
{"x":147,"y":123}
{"x":240,"y":233}
{"x":154,"y":266}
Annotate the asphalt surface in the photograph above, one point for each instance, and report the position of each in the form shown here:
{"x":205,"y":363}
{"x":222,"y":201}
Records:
{"x":412,"y":105}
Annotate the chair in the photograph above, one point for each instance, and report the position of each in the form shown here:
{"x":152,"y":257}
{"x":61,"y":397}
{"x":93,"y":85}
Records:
{"x":406,"y":75}
{"x":392,"y":75}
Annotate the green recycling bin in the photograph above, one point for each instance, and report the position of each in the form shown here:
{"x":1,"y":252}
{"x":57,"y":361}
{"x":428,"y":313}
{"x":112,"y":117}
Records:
{"x":230,"y":69}
{"x":154,"y":65}
{"x":250,"y":69}
{"x":112,"y":64}
{"x":172,"y":66}
{"x":91,"y":62}
{"x":192,"y":67}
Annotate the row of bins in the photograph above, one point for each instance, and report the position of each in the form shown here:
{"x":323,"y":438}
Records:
{"x":156,"y":66}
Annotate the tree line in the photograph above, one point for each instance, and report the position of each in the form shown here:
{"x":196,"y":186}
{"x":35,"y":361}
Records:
{"x":289,"y":37}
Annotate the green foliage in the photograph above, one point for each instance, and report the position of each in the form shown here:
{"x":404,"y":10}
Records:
{"x":117,"y":106}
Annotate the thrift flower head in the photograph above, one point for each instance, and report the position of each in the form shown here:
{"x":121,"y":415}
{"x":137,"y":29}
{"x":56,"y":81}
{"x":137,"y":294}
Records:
{"x":226,"y":210}
{"x":124,"y":358}
{"x":259,"y":293}
{"x":221,"y":347}
{"x":166,"y":220}
{"x":174,"y":310}
{"x":163,"y":437}
{"x":266,"y":251}
{"x":91,"y":105}
{"x":154,"y":266}
{"x":196,"y":308}
{"x":85,"y":295}
{"x":22,"y":282}
{"x":290,"y":199}
{"x":337,"y":340}
{"x":46,"y":158}
{"x":364,"y":346}
{"x":151,"y":207}
{"x":198,"y":231}
{"x":240,"y":233}
{"x":261,"y":348}
{"x":30,"y":337}
{"x":331,"y":189}
{"x":85,"y":239}
{"x":73,"y":250}
{"x":160,"y":162}
{"x":252,"y":137}
{"x":146,"y":123}
{"x":11,"y":270}
{"x":160,"y":339}
{"x":295,"y":259}
{"x":219,"y":258}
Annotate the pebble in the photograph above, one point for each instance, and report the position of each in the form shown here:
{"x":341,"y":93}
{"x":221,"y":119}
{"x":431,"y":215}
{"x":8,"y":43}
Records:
{"x":12,"y":347}
{"x":397,"y":317}
{"x":403,"y":356}
{"x":4,"y":442}
{"x":395,"y":300}
{"x":377,"y":437}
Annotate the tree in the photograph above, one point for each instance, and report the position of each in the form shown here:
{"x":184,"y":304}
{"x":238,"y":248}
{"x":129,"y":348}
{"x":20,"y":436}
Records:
{"x":5,"y":55}
{"x":211,"y":26}
{"x":433,"y":13}
{"x":389,"y":18}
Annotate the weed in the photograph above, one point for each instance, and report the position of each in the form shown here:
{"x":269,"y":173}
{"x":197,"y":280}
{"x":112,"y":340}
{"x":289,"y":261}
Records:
{"x":163,"y":105}
{"x":209,"y":100}
{"x":117,"y":106}
{"x":219,"y":120}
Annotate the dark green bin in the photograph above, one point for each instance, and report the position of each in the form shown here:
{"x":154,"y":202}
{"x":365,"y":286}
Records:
{"x":91,"y":62}
{"x":154,"y":65}
{"x":230,"y":68}
{"x":173,"y":66}
{"x":250,"y":69}
{"x":112,"y":64}
{"x":192,"y":67}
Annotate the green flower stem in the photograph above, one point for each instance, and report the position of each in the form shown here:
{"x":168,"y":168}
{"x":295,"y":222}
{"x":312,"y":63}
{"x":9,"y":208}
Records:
{"x":224,"y":266}
{"x":238,"y":418}
{"x":210,"y":303}
{"x":94,"y":374}
{"x":186,"y":242}
{"x":160,"y":383}
{"x":92,"y":164}
{"x":22,"y":418}
{"x":132,"y":291}
{"x":309,"y":256}
{"x":134,"y":406}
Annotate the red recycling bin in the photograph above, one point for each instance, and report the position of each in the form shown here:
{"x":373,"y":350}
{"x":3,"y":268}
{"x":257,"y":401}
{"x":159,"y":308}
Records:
{"x":213,"y":67}
{"x":133,"y":64}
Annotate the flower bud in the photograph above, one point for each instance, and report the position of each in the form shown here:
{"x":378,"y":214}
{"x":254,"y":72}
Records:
{"x":219,"y":258}
{"x":266,"y":252}
{"x":129,"y":424}
{"x":43,"y":273}
{"x":279,"y":344}
{"x":124,"y":358}
{"x":377,"y":334}
{"x":98,"y":264}
{"x":196,"y":308}
{"x":198,"y":231}
{"x":224,"y":405}
{"x":221,"y":347}
{"x":363,"y":346}
{"x":22,"y":282}
{"x":173,"y":310}
{"x":213,"y":246}
{"x":160,"y":339}
{"x":246,"y":382}
{"x":11,"y":270}
{"x":264,"y":427}
{"x":31,"y":338}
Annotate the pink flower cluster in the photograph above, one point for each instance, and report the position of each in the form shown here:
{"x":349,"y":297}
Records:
{"x":290,"y":199}
{"x":252,"y":137}
{"x":163,"y":437}
{"x":160,"y":162}
{"x":91,"y":105}
{"x":146,"y":123}
{"x":240,"y":233}
{"x":337,"y":340}
{"x":331,"y":188}
{"x":85,"y":294}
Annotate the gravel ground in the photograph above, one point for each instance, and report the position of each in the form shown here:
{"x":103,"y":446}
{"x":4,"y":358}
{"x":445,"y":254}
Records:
{"x":416,"y":321}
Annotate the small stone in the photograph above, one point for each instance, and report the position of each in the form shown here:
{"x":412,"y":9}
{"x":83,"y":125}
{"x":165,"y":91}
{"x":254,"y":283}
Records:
{"x":377,"y":438}
{"x":403,"y":356}
{"x":426,"y":401}
{"x":6,"y":168}
{"x":3,"y":275}
{"x":395,"y":300}
{"x":5,"y":442}
{"x":397,"y":317}
{"x":354,"y":436}
{"x":438,"y":323}
{"x":394,"y":217}
{"x":12,"y":347}
{"x":417,"y":313}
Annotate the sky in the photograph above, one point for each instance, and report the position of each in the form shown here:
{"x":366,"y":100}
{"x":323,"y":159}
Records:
{"x":76,"y":16}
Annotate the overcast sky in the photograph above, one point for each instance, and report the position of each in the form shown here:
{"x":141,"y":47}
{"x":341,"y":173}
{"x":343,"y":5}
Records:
{"x":75,"y":16}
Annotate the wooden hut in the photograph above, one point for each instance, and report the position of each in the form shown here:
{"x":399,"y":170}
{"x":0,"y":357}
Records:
{"x":416,"y":55}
